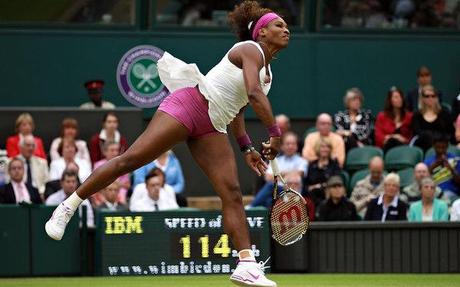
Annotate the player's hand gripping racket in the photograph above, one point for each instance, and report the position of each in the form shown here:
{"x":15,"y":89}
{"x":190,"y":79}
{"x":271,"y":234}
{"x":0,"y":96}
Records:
{"x":289,"y":219}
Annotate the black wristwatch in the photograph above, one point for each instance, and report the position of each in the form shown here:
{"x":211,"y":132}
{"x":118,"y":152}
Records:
{"x":247,"y":148}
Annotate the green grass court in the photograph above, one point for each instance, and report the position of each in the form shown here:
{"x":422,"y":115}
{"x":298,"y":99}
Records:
{"x":291,"y":280}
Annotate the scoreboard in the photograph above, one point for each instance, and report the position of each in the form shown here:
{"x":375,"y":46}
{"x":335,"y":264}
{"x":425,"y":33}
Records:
{"x":172,"y":242}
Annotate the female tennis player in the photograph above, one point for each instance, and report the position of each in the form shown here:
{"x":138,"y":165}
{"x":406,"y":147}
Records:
{"x":198,"y":111}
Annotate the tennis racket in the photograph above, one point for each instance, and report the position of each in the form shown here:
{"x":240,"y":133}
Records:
{"x":289,"y":219}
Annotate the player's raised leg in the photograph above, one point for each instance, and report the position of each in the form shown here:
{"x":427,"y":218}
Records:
{"x":162,"y":133}
{"x":216,"y":158}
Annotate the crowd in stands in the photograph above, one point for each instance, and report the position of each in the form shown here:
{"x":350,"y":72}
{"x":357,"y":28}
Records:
{"x":419,"y":125}
{"x":34,"y":177}
{"x":320,"y":165}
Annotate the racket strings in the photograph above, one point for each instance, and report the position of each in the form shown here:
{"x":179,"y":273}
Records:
{"x":289,"y":218}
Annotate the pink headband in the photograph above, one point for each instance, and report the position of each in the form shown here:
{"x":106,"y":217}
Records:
{"x":262,"y":22}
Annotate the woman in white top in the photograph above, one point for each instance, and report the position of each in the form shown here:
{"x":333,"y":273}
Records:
{"x":198,"y":112}
{"x":69,"y":129}
{"x":68,"y":150}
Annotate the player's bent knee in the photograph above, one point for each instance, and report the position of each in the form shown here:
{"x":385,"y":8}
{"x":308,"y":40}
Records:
{"x":231,"y":194}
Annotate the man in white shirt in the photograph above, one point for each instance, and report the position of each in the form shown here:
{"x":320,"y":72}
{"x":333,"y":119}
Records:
{"x":154,"y":194}
{"x":455,"y":211}
{"x":290,"y":162}
{"x":36,"y":169}
{"x":69,"y":182}
{"x":17,"y":191}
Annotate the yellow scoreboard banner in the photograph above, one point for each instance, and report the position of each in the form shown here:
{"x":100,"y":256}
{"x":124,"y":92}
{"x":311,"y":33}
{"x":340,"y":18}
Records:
{"x":172,"y":242}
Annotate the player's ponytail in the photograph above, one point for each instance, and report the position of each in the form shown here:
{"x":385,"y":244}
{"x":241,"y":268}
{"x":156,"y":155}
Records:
{"x":243,"y":18}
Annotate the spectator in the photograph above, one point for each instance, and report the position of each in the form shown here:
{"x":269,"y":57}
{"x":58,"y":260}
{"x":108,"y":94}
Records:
{"x":444,"y":168}
{"x":320,"y":170}
{"x":69,"y":182}
{"x":69,"y":129}
{"x":111,"y":150}
{"x":324,"y":126}
{"x":354,"y":124}
{"x":67,"y":150}
{"x":53,"y":186}
{"x":154,"y":195}
{"x":110,"y":194}
{"x":95,"y":90}
{"x":456,"y":101}
{"x":37,"y":173}
{"x":283,"y":122}
{"x":24,"y":126}
{"x":428,"y":208}
{"x":288,"y":162}
{"x":431,"y":118}
{"x":424,"y":78}
{"x":387,"y":206}
{"x":109,"y":132}
{"x":17,"y":191}
{"x":457,"y":130}
{"x":370,"y":187}
{"x":170,"y":165}
{"x":455,"y":211}
{"x":393,"y":125}
{"x":336,"y":207}
{"x":412,"y":192}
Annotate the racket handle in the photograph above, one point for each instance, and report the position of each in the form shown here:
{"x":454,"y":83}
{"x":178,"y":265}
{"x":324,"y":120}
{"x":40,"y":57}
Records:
{"x":274,"y":166}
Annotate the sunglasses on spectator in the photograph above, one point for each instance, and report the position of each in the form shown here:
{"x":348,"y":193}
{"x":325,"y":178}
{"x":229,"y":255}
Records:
{"x":429,"y":96}
{"x":335,"y":185}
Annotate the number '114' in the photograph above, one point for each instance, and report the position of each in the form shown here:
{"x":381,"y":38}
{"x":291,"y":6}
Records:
{"x":221,"y":248}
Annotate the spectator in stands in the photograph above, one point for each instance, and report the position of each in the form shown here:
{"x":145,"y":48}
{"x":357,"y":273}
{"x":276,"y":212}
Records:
{"x":288,"y":162}
{"x":109,"y":132}
{"x":111,"y":149}
{"x":69,"y":129}
{"x":69,"y":182}
{"x":111,"y":195}
{"x":387,"y":206}
{"x":283,"y":122}
{"x":431,"y":118}
{"x":428,"y":208}
{"x":444,"y":168}
{"x":24,"y":126}
{"x":53,"y":186}
{"x":336,"y":207}
{"x":455,"y":211}
{"x":456,"y":102}
{"x":320,"y":170}
{"x":37,"y":173}
{"x":393,"y":125}
{"x":354,"y":124}
{"x":457,"y":130}
{"x":154,"y":195}
{"x":68,"y":149}
{"x":414,"y":96}
{"x":324,"y":130}
{"x":17,"y":191}
{"x":95,"y":90}
{"x":412,"y":192}
{"x":370,"y":187}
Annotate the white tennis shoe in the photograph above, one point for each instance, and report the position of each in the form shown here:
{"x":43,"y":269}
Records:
{"x":251,"y":273}
{"x":55,"y":227}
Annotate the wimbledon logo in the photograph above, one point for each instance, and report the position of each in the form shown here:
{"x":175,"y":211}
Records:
{"x":137,"y":77}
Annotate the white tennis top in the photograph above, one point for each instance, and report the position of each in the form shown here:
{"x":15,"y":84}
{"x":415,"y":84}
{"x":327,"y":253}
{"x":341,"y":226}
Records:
{"x":223,"y":86}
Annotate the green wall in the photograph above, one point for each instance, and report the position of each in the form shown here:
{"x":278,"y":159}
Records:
{"x":48,"y":67}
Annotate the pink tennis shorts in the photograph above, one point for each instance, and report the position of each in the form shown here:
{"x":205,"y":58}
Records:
{"x":190,"y":108}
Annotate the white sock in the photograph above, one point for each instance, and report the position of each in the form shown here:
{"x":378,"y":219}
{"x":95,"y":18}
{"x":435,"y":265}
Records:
{"x":73,"y":201}
{"x":248,"y":252}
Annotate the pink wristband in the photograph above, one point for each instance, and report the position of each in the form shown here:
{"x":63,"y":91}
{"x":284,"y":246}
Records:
{"x":274,"y":131}
{"x":243,"y":140}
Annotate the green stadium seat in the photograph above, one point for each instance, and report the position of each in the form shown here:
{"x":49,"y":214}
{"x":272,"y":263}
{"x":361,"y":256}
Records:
{"x":346,"y":180}
{"x":403,"y":156}
{"x":406,"y":176}
{"x":358,"y":158}
{"x":446,"y":106}
{"x":451,"y":149}
{"x":357,"y":176}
